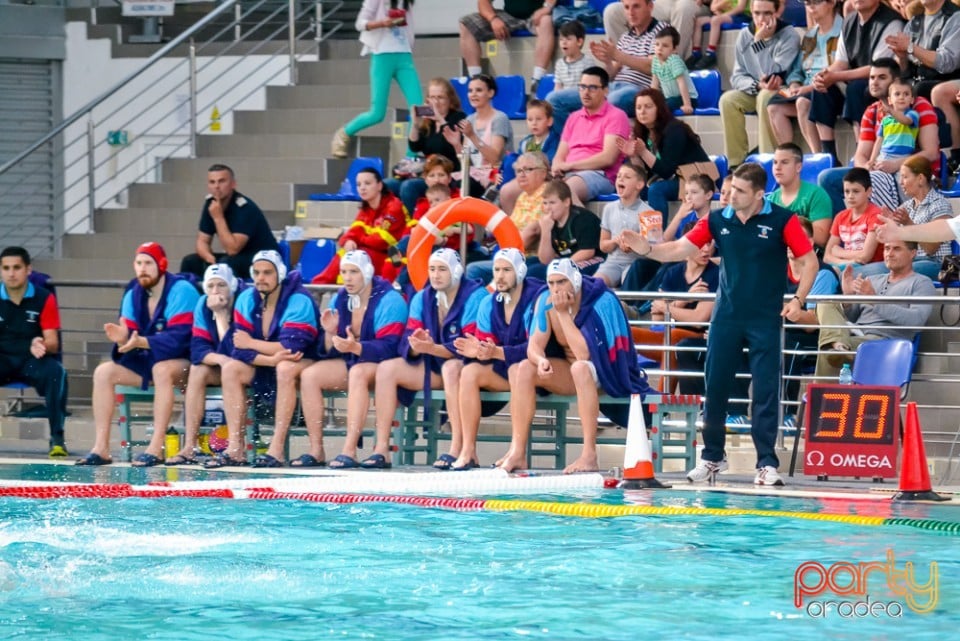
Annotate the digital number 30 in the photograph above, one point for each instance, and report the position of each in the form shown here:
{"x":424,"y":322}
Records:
{"x":841,"y":416}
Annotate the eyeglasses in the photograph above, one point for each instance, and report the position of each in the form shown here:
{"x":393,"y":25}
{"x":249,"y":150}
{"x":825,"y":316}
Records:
{"x":589,"y":87}
{"x":523,"y":171}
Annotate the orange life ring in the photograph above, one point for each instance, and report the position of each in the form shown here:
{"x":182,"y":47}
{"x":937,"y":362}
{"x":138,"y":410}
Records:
{"x":457,"y":210}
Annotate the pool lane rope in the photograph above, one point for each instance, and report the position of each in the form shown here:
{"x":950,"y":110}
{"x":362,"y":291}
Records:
{"x":583,"y":510}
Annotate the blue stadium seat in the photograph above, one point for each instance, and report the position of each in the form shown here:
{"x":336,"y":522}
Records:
{"x":348,"y":188}
{"x":506,"y":167}
{"x":723,"y":166}
{"x":765,"y":161}
{"x":284,"y":246}
{"x":511,"y":97}
{"x":739,"y":22}
{"x":607,"y":198}
{"x":460,"y":86}
{"x":707,"y":83}
{"x":813,"y":164}
{"x":547,"y":84}
{"x":315,"y":257}
{"x":888,"y":361}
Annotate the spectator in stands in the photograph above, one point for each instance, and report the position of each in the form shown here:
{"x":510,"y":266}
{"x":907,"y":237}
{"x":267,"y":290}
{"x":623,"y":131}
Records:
{"x":621,"y":214}
{"x":698,"y":274}
{"x":496,"y":345}
{"x":929,"y":50}
{"x":751,"y":236}
{"x":885,"y":191}
{"x":681,"y":14}
{"x":274,"y":339}
{"x":440,"y":313}
{"x":935,"y":231}
{"x":629,"y":60}
{"x":874,"y":321}
{"x":818,"y":48}
{"x":532,"y":170}
{"x":361,"y":328}
{"x":719,"y":13}
{"x":30,"y":340}
{"x":542,"y":138}
{"x":588,"y":157}
{"x":211,"y":347}
{"x":487,"y":133}
{"x":897,"y":134}
{"x":582,"y":317}
{"x":566,"y":231}
{"x":436,"y":134}
{"x":570,"y":66}
{"x":489,"y":24}
{"x":924,"y":203}
{"x":662,"y":143}
{"x":698,"y":193}
{"x":234,"y":220}
{"x":863,"y":39}
{"x":805,"y":199}
{"x":380,"y":223}
{"x":670,"y":74}
{"x":387,"y":34}
{"x":852,"y":237}
{"x":151,"y":343}
{"x":764,"y":52}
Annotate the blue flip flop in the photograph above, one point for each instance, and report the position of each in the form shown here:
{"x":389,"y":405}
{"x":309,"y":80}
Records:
{"x":145,"y":459}
{"x":444,"y":462}
{"x":308,"y":460}
{"x":376,"y":462}
{"x":93,"y":459}
{"x":265,"y":460}
{"x":343,"y":462}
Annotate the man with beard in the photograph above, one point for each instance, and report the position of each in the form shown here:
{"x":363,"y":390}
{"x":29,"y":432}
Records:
{"x":151,"y":342}
{"x":275,"y":335}
{"x":579,"y":344}
{"x":497,"y":344}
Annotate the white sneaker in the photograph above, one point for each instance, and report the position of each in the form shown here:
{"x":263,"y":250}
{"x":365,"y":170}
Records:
{"x":768,"y":475}
{"x":707,"y":470}
{"x":340,"y":144}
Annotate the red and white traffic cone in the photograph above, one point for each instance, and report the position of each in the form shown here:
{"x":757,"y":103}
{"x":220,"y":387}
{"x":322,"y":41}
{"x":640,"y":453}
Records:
{"x":637,"y":456}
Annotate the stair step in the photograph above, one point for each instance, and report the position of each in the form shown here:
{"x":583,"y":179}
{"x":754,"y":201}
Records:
{"x":279,"y":169}
{"x":149,"y":221}
{"x":108,"y":244}
{"x":309,"y":120}
{"x":190,"y":197}
{"x":289,"y":145}
{"x":325,"y":72}
{"x":354,"y":96}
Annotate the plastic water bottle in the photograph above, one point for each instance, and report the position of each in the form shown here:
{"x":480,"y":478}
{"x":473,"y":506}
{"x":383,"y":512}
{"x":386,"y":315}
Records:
{"x":846,"y":376}
{"x":171,"y":442}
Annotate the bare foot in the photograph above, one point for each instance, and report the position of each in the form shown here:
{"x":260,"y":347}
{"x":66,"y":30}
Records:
{"x":586,"y":463}
{"x":512,"y":462}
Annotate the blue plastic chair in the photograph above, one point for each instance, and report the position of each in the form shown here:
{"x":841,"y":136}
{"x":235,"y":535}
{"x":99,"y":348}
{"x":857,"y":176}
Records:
{"x":284,"y":246}
{"x":506,"y":167}
{"x":511,"y":97}
{"x":348,"y":188}
{"x":888,"y":361}
{"x":723,"y":166}
{"x":707,"y":83}
{"x":765,"y":161}
{"x":813,"y":164}
{"x":547,"y":84}
{"x":460,"y":86}
{"x":315,"y":257}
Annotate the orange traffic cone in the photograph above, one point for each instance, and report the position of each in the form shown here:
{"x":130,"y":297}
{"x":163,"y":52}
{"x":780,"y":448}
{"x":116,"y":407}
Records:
{"x":637,"y":457}
{"x":914,"y":475}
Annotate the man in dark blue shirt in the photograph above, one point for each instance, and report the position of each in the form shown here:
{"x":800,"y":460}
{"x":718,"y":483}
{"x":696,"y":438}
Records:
{"x":30,"y":339}
{"x":752,"y":237}
{"x":235,"y":220}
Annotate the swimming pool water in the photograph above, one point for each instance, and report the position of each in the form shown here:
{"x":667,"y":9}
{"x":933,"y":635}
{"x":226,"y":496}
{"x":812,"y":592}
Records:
{"x":197,"y":568}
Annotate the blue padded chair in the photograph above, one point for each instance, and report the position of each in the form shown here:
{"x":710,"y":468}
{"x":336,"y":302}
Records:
{"x":460,"y":86}
{"x":547,"y":84}
{"x":707,"y":83}
{"x":315,"y":257}
{"x":813,"y":164}
{"x":348,"y":188}
{"x":765,"y":161}
{"x":723,"y":166}
{"x":506,"y":167}
{"x":511,"y":97}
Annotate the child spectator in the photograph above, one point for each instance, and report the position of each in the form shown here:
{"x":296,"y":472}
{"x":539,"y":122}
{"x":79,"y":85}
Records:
{"x":723,"y":12}
{"x":617,"y":216}
{"x":698,"y":193}
{"x":897,"y":137}
{"x":670,"y":74}
{"x":725,"y":188}
{"x":852,"y":236}
{"x":542,"y":138}
{"x":569,"y":67}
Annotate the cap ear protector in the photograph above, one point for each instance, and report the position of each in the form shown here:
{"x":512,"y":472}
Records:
{"x":360,"y":259}
{"x":515,"y":258}
{"x":451,"y":259}
{"x":566,"y":267}
{"x":271,"y":256}
{"x":156,"y":252}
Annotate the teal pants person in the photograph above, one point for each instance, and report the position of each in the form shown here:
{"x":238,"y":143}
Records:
{"x":384,"y":67}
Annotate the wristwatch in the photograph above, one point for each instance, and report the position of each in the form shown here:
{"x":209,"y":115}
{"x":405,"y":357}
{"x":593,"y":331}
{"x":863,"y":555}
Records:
{"x":910,"y":49}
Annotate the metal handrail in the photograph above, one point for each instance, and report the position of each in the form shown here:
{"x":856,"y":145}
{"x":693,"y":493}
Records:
{"x":89,"y":173}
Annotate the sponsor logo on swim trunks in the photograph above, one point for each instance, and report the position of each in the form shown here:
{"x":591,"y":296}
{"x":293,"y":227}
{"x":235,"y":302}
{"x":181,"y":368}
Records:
{"x":862,"y":589}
